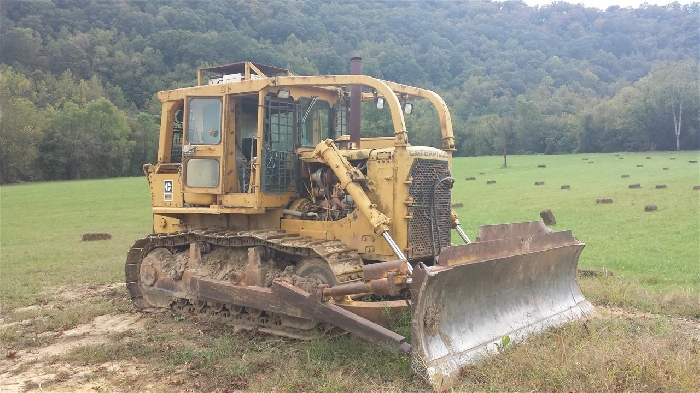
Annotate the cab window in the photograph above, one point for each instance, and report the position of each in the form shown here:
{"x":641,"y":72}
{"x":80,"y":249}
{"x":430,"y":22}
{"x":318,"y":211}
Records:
{"x":314,"y":121}
{"x":204,"y":121}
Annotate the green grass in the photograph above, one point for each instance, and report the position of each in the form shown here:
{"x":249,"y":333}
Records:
{"x":658,"y":249}
{"x":41,"y":228}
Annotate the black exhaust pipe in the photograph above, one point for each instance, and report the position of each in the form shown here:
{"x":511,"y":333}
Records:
{"x":355,"y":103}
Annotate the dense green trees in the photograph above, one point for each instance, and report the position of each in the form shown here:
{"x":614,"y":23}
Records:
{"x":78,"y":77}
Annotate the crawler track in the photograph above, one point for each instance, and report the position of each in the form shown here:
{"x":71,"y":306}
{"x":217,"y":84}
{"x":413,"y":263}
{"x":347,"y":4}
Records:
{"x":292,"y":249}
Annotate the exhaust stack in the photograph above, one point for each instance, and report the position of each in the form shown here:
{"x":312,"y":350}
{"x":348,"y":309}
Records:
{"x":355,"y":103}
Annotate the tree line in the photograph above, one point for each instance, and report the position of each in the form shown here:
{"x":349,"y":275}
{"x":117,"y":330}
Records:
{"x":79,"y":77}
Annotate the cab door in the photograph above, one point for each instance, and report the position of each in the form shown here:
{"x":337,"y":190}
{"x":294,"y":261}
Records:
{"x":203,"y":150}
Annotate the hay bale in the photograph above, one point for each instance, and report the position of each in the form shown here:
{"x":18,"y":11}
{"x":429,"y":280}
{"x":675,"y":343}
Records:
{"x":548,"y":217}
{"x":590,"y":162}
{"x":672,"y":158}
{"x":458,"y":204}
{"x":603,"y":200}
{"x":565,"y":187}
{"x":650,"y":208}
{"x":490,"y":181}
{"x":666,"y":168}
{"x":539,"y":183}
{"x":470,"y":178}
{"x":594,"y":273}
{"x":88,"y":237}
{"x":635,"y":185}
{"x":640,"y":166}
{"x":693,"y":161}
{"x":696,"y":187}
{"x":541,"y":166}
{"x":482,"y":173}
{"x":621,"y":158}
{"x":624,"y":176}
{"x":585,"y":158}
{"x":659,"y":186}
{"x":648,"y":158}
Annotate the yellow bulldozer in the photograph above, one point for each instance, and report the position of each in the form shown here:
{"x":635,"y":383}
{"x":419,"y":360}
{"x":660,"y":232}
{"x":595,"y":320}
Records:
{"x":272,"y":213}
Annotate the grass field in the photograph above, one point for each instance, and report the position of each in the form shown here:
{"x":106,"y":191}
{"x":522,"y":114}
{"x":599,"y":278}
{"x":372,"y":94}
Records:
{"x":48,"y":276}
{"x":660,"y":249}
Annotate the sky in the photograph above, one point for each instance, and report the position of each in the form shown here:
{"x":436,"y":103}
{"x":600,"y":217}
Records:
{"x":603,"y":4}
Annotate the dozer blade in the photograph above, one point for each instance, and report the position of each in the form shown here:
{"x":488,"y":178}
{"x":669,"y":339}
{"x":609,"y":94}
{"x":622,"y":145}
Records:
{"x":517,"y":280}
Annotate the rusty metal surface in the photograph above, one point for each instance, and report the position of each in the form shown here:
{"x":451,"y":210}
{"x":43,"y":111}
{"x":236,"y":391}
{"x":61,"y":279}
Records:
{"x":461,"y":311}
{"x":338,"y":316}
{"x":384,"y":313}
{"x":281,"y":309}
{"x":504,"y":231}
{"x":502,"y":247}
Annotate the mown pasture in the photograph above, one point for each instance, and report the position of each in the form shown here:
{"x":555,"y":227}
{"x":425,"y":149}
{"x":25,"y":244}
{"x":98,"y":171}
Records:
{"x":647,"y":290}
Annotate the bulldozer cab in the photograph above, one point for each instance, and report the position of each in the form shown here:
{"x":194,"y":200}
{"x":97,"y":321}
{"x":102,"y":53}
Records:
{"x":237,"y":138}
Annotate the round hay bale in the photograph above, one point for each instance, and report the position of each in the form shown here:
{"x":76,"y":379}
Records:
{"x":590,"y":162}
{"x":548,"y":217}
{"x":541,"y":166}
{"x":539,"y":183}
{"x":565,"y":187}
{"x":659,"y":186}
{"x":635,"y":185}
{"x":621,"y":158}
{"x":693,"y":161}
{"x":696,"y":187}
{"x":482,"y":173}
{"x":624,"y":176}
{"x":640,"y":165}
{"x":672,"y":158}
{"x":470,"y":178}
{"x":88,"y":237}
{"x":648,"y":158}
{"x":458,"y":204}
{"x":585,"y":158}
{"x":490,"y":181}
{"x":603,"y":200}
{"x":665,"y":168}
{"x":650,"y":208}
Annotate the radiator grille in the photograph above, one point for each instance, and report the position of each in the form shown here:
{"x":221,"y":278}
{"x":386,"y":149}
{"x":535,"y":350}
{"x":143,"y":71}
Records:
{"x":426,"y":207}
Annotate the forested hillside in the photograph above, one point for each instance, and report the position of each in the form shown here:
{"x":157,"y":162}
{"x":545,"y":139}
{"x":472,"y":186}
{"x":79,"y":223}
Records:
{"x":79,"y":77}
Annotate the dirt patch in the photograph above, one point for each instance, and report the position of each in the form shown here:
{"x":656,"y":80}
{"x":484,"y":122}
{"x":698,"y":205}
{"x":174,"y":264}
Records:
{"x":82,"y":293}
{"x":273,"y":274}
{"x":308,"y":284}
{"x":30,"y":369}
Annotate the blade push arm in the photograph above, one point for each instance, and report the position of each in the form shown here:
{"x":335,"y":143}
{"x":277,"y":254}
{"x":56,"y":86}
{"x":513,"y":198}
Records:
{"x":347,"y":175}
